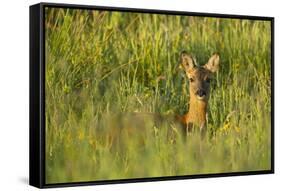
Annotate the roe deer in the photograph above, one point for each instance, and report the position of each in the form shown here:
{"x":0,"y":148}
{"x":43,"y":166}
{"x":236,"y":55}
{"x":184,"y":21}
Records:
{"x":199,"y":90}
{"x":132,"y":126}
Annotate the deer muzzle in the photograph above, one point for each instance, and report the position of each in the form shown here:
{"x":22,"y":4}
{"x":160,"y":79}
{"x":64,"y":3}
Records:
{"x":201,"y":94}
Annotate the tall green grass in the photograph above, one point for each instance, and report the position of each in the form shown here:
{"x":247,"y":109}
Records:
{"x":99,"y":64}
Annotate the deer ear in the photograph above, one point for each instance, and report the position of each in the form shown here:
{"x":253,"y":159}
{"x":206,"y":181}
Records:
{"x":213,"y":63}
{"x":187,"y":61}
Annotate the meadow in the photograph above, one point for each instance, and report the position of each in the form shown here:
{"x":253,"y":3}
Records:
{"x":99,"y":64}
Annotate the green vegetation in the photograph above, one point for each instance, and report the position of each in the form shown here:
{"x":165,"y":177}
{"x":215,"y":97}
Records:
{"x":99,"y":64}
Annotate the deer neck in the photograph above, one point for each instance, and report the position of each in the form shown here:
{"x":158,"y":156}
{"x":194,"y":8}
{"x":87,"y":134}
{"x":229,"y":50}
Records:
{"x":197,"y":110}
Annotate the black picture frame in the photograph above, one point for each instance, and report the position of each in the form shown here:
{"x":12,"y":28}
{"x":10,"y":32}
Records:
{"x":37,"y":95}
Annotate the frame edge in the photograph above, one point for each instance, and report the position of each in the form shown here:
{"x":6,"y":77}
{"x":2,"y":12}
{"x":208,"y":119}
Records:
{"x":35,"y":134}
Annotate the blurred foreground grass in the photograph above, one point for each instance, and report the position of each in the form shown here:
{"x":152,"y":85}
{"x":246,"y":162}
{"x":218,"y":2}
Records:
{"x":99,"y":64}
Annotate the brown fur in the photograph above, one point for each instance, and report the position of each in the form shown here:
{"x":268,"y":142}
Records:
{"x":199,"y":89}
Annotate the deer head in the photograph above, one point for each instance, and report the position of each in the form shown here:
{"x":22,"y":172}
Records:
{"x":199,"y":76}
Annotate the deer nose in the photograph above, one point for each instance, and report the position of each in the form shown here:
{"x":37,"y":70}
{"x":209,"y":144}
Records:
{"x":201,"y":93}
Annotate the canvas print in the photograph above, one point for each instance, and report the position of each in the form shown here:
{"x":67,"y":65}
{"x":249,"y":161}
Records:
{"x":133,"y":95}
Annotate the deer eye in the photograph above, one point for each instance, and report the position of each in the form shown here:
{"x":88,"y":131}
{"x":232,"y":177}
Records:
{"x":208,"y":80}
{"x":191,"y":79}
